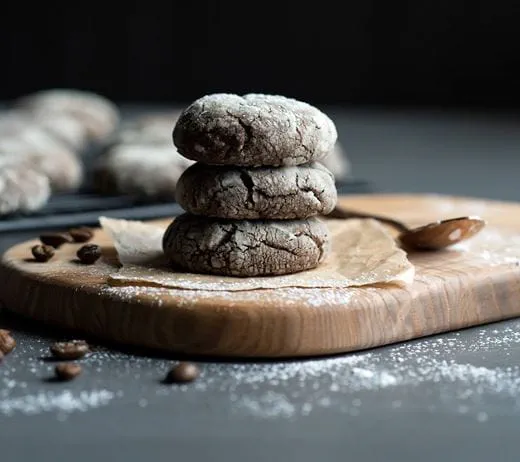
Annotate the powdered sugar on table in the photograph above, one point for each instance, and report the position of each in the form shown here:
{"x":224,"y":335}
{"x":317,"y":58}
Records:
{"x":439,"y":374}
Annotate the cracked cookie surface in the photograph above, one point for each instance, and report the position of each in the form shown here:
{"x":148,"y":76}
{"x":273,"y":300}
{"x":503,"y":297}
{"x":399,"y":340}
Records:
{"x":253,"y":130}
{"x":245,"y":248}
{"x":257,"y":193}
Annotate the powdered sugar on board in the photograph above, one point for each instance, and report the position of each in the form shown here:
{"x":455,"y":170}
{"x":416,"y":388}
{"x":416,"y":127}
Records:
{"x":493,"y":247}
{"x":363,"y":253}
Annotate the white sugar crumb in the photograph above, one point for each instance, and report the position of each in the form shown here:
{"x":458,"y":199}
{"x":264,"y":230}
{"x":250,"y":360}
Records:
{"x":24,"y":387}
{"x":350,"y":384}
{"x":267,"y":405}
{"x":64,"y":402}
{"x":493,"y":247}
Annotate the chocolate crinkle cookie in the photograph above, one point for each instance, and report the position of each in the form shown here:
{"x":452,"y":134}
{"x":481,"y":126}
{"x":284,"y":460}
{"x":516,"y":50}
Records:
{"x":62,"y":127}
{"x":140,"y":170}
{"x":253,"y":130}
{"x":245,"y":248}
{"x":257,"y":193}
{"x":26,"y":140}
{"x":98,"y":115}
{"x":22,"y":188}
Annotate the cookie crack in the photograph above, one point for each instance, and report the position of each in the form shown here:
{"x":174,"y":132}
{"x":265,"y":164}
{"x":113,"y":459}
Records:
{"x":227,"y":237}
{"x":249,"y":185}
{"x":271,"y":245}
{"x":317,"y":242}
{"x":313,"y":191}
{"x":266,"y":241}
{"x":248,"y":131}
{"x":288,"y":194}
{"x":300,"y":136}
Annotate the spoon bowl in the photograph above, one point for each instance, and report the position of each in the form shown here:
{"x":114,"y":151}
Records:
{"x":442,"y":234}
{"x":433,"y":236}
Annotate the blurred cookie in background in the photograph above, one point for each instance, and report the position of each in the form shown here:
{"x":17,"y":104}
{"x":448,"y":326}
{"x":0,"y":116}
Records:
{"x":146,"y":171}
{"x":23,"y":189}
{"x":338,"y":163}
{"x":151,"y":128}
{"x":141,"y":159}
{"x":24,"y":139}
{"x":98,"y":115}
{"x":64,"y":128}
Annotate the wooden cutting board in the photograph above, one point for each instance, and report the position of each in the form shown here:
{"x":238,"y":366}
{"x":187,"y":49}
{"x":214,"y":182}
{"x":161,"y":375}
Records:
{"x":452,"y":290}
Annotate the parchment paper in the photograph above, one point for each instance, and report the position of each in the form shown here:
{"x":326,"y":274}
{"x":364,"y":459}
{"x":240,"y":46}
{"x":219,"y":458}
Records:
{"x":362,"y":253}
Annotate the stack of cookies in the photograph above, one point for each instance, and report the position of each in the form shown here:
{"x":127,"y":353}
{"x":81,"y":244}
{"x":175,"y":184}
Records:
{"x":253,"y":196}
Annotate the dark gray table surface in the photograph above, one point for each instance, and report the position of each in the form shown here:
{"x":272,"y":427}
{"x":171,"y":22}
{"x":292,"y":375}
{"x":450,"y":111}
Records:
{"x":449,"y":397}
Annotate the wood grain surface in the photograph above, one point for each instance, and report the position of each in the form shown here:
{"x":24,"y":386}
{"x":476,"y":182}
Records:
{"x":452,"y":290}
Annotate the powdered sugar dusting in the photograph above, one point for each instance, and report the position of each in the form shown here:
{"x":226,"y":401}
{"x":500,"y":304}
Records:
{"x":267,"y":405}
{"x":432,"y":367}
{"x":61,"y":401}
{"x":464,"y":373}
{"x":25,"y":389}
{"x":493,"y":247}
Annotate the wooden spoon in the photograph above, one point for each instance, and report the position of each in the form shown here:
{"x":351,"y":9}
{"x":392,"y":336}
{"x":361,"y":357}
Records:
{"x":433,"y":236}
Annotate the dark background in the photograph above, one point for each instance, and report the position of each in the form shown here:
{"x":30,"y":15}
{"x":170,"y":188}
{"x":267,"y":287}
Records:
{"x":385,"y":53}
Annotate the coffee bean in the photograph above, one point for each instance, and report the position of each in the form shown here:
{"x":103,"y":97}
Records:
{"x":56,"y":239}
{"x":42,"y":253}
{"x":74,"y":349}
{"x":82,"y":234}
{"x":183,"y":373}
{"x":7,"y":343}
{"x":89,"y":253}
{"x":67,"y":371}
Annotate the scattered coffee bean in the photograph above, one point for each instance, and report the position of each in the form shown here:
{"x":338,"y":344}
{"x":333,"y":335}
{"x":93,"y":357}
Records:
{"x":89,"y":253}
{"x":7,"y":343}
{"x":82,"y":234}
{"x":56,"y":239}
{"x":183,"y":373}
{"x":75,"y":349}
{"x":42,"y":253}
{"x":67,"y":371}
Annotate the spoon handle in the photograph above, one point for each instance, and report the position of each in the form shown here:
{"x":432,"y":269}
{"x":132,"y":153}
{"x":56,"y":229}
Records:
{"x":340,"y":212}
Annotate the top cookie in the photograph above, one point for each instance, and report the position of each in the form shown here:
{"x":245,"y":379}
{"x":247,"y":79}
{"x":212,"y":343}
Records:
{"x":252,"y":131}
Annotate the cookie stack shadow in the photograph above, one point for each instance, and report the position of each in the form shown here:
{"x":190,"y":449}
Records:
{"x":253,"y":196}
